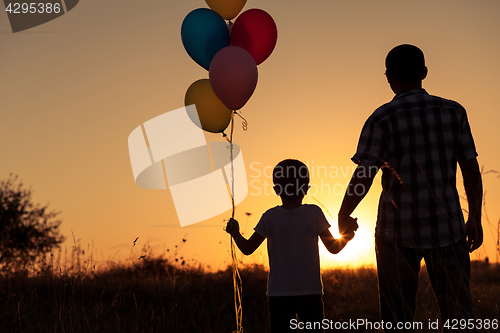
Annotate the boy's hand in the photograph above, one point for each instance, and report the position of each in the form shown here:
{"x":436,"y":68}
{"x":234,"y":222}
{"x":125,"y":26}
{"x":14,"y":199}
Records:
{"x":232,"y":226}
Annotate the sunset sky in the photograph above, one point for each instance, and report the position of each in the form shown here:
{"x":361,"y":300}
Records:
{"x":73,"y":89}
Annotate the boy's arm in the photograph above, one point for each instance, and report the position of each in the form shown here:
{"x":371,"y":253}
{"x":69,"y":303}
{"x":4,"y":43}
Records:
{"x":334,"y":245}
{"x":246,"y":246}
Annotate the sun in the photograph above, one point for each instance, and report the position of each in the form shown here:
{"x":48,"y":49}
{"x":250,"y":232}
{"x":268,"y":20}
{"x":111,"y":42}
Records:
{"x":359,"y":252}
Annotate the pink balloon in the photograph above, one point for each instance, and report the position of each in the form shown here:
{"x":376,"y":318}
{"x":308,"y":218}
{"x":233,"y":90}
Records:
{"x":233,"y":76}
{"x":255,"y":31}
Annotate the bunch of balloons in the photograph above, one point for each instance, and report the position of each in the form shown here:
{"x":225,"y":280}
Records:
{"x":230,"y":52}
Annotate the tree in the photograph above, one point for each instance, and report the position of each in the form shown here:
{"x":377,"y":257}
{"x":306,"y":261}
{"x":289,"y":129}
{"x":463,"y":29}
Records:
{"x":27,"y":230}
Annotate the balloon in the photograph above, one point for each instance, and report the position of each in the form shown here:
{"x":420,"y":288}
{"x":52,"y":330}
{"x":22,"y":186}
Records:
{"x":255,"y":31}
{"x":228,"y":9}
{"x":213,"y":115}
{"x":203,"y":34}
{"x":233,"y":76}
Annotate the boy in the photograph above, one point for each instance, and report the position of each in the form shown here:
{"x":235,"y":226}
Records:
{"x":292,"y":229}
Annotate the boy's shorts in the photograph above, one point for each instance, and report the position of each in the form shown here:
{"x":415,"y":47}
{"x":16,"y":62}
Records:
{"x":283,"y":310}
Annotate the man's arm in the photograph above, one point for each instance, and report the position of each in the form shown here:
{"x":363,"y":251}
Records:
{"x":473,"y":185}
{"x":246,"y":246}
{"x":357,"y":189}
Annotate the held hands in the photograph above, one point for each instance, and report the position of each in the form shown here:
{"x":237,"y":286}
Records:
{"x":232,"y":227}
{"x":347,"y":227}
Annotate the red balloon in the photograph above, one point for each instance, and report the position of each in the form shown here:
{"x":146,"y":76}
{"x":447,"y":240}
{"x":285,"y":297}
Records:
{"x":233,"y":76}
{"x":255,"y":31}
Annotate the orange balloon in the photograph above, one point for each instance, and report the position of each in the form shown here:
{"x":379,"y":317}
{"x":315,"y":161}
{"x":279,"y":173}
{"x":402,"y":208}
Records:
{"x":214,"y":116}
{"x":228,"y":9}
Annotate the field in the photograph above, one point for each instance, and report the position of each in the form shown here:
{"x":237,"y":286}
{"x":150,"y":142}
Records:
{"x":155,"y":294}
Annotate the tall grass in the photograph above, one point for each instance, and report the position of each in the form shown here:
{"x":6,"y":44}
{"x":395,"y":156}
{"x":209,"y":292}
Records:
{"x":168,"y":294}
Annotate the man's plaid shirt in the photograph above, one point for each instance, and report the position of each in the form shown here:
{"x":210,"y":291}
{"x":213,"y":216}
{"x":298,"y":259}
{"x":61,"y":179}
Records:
{"x":417,"y":139}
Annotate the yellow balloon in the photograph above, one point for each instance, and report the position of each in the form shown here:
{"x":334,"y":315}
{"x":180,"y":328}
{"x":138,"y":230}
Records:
{"x":228,"y":9}
{"x":214,"y":116}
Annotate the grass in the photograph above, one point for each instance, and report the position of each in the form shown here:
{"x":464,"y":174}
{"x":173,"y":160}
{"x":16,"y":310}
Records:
{"x":157,"y":294}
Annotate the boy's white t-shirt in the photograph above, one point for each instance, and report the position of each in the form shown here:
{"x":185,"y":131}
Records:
{"x":292,"y":245}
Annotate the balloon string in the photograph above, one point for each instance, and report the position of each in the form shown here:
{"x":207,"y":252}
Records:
{"x":244,"y":124}
{"x":231,"y":160}
{"x":224,"y":135}
{"x":237,"y":285}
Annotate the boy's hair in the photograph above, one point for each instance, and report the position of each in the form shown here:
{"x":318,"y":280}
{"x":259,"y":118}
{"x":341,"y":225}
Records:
{"x":291,"y":179}
{"x":406,"y":63}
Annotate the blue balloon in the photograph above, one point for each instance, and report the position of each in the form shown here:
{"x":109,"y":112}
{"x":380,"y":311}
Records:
{"x":203,"y":34}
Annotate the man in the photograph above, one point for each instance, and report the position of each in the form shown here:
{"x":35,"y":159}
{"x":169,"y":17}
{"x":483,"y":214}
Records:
{"x":417,"y":140}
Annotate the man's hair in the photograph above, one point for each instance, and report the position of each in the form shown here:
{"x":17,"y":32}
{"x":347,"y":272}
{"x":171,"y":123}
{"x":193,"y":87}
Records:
{"x":291,"y":178}
{"x":406,"y":63}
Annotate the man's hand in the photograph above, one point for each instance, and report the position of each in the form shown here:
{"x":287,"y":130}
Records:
{"x":348,"y":235}
{"x":347,"y":226}
{"x":232,"y":227}
{"x":474,"y":232}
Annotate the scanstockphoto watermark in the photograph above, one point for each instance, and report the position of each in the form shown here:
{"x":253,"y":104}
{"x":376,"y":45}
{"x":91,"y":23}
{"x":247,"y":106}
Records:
{"x":324,"y":179}
{"x":354,"y":324}
{"x":366,"y":325}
